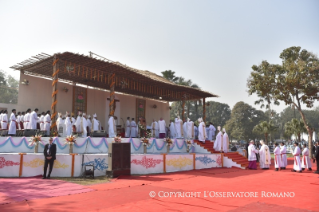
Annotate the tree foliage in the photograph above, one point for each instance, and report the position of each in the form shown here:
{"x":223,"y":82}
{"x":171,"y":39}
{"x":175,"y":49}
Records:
{"x":8,"y":89}
{"x":295,"y":127}
{"x":265,"y":128}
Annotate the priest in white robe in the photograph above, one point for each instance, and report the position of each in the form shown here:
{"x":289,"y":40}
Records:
{"x":283,"y":155}
{"x":219,"y":140}
{"x":13,"y":123}
{"x":277,"y":159}
{"x":112,"y":127}
{"x":89,"y":123}
{"x":252,"y":155}
{"x":34,"y":119}
{"x":41,"y":120}
{"x":95,"y":123}
{"x":128,"y":128}
{"x":225,"y":141}
{"x":265,"y":158}
{"x":178,"y":127}
{"x":59,"y":121}
{"x":73,"y":119}
{"x":47,"y":122}
{"x":78,"y":123}
{"x":153,"y":129}
{"x":4,"y":120}
{"x":21,"y":124}
{"x":306,"y":162}
{"x":297,"y":163}
{"x":133,"y":128}
{"x":172,"y":130}
{"x":190,"y":130}
{"x":27,"y":119}
{"x":18,"y":117}
{"x":201,"y":131}
{"x":1,"y":113}
{"x":68,"y":124}
{"x":161,"y":128}
{"x":211,"y":131}
{"x":84,"y":125}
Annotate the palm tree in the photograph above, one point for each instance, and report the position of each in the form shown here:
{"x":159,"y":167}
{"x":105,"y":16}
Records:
{"x":265,"y":128}
{"x":295,"y":127}
{"x":170,"y":75}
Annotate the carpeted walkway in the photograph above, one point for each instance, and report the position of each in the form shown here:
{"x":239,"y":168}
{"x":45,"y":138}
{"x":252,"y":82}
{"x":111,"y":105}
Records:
{"x":133,"y":193}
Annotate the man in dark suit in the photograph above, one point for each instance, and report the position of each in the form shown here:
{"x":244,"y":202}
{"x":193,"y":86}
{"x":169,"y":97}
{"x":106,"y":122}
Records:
{"x":49,"y":157}
{"x":317,"y":157}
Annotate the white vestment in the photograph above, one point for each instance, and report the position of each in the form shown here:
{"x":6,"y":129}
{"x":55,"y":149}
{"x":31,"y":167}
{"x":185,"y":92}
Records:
{"x":21,"y":121}
{"x":58,"y":123}
{"x":47,"y":123}
{"x":95,"y":124}
{"x":283,"y":157}
{"x":277,"y":159}
{"x":12,"y":127}
{"x":78,"y":124}
{"x":73,"y":120}
{"x":41,"y":122}
{"x":133,"y":129}
{"x":252,"y":153}
{"x":172,"y":129}
{"x":202,"y":132}
{"x":112,"y":129}
{"x":33,"y":120}
{"x":84,"y":125}
{"x":265,"y":158}
{"x":297,"y":164}
{"x":128,"y":129}
{"x":68,"y":126}
{"x":178,"y":127}
{"x":4,"y":121}
{"x":162,"y":126}
{"x":18,"y":121}
{"x":190,"y":130}
{"x":154,"y":130}
{"x":27,"y":121}
{"x":306,"y":162}
{"x":211,"y":132}
{"x":218,"y":142}
{"x":225,"y":142}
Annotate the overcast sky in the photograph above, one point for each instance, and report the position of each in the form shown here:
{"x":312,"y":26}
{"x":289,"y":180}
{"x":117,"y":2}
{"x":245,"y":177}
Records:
{"x":213,"y":43}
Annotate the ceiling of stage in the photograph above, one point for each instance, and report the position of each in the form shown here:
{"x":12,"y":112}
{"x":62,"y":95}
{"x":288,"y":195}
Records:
{"x":97,"y":73}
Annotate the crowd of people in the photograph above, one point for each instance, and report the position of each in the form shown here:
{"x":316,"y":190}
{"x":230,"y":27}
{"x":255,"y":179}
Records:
{"x":302,"y":158}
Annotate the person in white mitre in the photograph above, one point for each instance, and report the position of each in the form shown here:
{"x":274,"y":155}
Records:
{"x":178,"y":127}
{"x":161,"y":128}
{"x":265,"y":158}
{"x":225,"y":141}
{"x":211,"y":131}
{"x":201,"y":131}
{"x":190,"y":129}
{"x":78,"y":123}
{"x":4,"y":120}
{"x":13,"y":123}
{"x":172,"y":130}
{"x":252,"y":155}
{"x":219,"y":140}
{"x":95,"y":123}
{"x":84,"y":125}
{"x":112,"y":128}
{"x":59,"y":121}
{"x":89,"y":123}
{"x":34,"y":119}
{"x":296,"y":154}
{"x":47,"y":122}
{"x":277,"y":158}
{"x":306,"y":162}
{"x":68,"y":124}
{"x":283,"y":156}
{"x":128,"y":128}
{"x":133,"y":128}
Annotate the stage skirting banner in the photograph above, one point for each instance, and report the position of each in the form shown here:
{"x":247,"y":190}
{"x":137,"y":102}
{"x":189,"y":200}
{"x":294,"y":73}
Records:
{"x":72,"y":165}
{"x":90,"y":145}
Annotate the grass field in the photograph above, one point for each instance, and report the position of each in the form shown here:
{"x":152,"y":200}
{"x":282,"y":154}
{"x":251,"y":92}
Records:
{"x":84,"y":181}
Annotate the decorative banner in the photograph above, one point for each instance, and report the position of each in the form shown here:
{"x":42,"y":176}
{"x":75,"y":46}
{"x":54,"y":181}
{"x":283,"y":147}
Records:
{"x":146,"y":164}
{"x":99,"y":161}
{"x":140,"y":108}
{"x":204,"y":161}
{"x":9,"y":165}
{"x":179,"y":162}
{"x":79,"y":99}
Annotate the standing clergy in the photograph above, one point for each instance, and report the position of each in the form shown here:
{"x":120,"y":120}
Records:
{"x":34,"y":119}
{"x":154,"y":128}
{"x":219,"y":140}
{"x":47,"y":122}
{"x":190,"y":129}
{"x":68,"y":124}
{"x":27,"y":119}
{"x":21,"y":124}
{"x":265,"y":159}
{"x":112,"y":127}
{"x":41,"y":119}
{"x":306,"y":162}
{"x":95,"y":123}
{"x":296,"y":154}
{"x":185,"y":129}
{"x":161,"y":128}
{"x":211,"y":131}
{"x":84,"y":125}
{"x":4,"y":120}
{"x":172,"y":129}
{"x":128,"y":128}
{"x":13,"y":123}
{"x":277,"y":158}
{"x":73,"y":119}
{"x":201,"y":131}
{"x":59,"y":121}
{"x":18,"y":117}
{"x":78,"y":123}
{"x":283,"y":152}
{"x":1,"y":113}
{"x":252,"y":155}
{"x":178,"y":127}
{"x":225,"y":141}
{"x":133,"y":128}
{"x":89,"y":123}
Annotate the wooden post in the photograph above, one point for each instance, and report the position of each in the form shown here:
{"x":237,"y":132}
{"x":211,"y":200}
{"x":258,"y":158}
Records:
{"x":112,"y":95}
{"x":54,"y":91}
{"x":183,"y":109}
{"x":204,"y":111}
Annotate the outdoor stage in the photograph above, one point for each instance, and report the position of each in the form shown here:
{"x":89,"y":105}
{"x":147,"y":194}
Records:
{"x":17,"y":158}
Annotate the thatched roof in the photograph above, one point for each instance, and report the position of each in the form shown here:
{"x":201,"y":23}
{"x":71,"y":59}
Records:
{"x":96,"y":73}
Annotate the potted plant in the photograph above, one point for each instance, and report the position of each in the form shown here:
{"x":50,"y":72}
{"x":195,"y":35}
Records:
{"x":169,"y":142}
{"x":71,"y":141}
{"x":35,"y":140}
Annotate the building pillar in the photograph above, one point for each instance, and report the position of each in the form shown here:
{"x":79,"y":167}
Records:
{"x":112,"y":95}
{"x":54,"y":91}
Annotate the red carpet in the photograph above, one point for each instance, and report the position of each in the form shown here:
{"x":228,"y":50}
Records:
{"x":132,"y":193}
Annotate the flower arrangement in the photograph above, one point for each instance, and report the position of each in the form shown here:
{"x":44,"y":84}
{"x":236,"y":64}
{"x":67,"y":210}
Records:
{"x":54,"y":133}
{"x":168,"y":141}
{"x":147,"y":133}
{"x":35,"y":139}
{"x":145,"y":141}
{"x":189,"y":143}
{"x":117,"y":139}
{"x":70,"y":139}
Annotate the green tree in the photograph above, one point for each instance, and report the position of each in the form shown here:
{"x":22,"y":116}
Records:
{"x":265,"y":128}
{"x":295,"y":127}
{"x":295,"y":82}
{"x":217,"y":113}
{"x":8,"y":89}
{"x":170,"y":75}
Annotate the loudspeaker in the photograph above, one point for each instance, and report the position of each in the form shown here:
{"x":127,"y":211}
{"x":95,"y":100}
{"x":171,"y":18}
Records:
{"x":119,"y":158}
{"x":99,"y":133}
{"x":29,"y":132}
